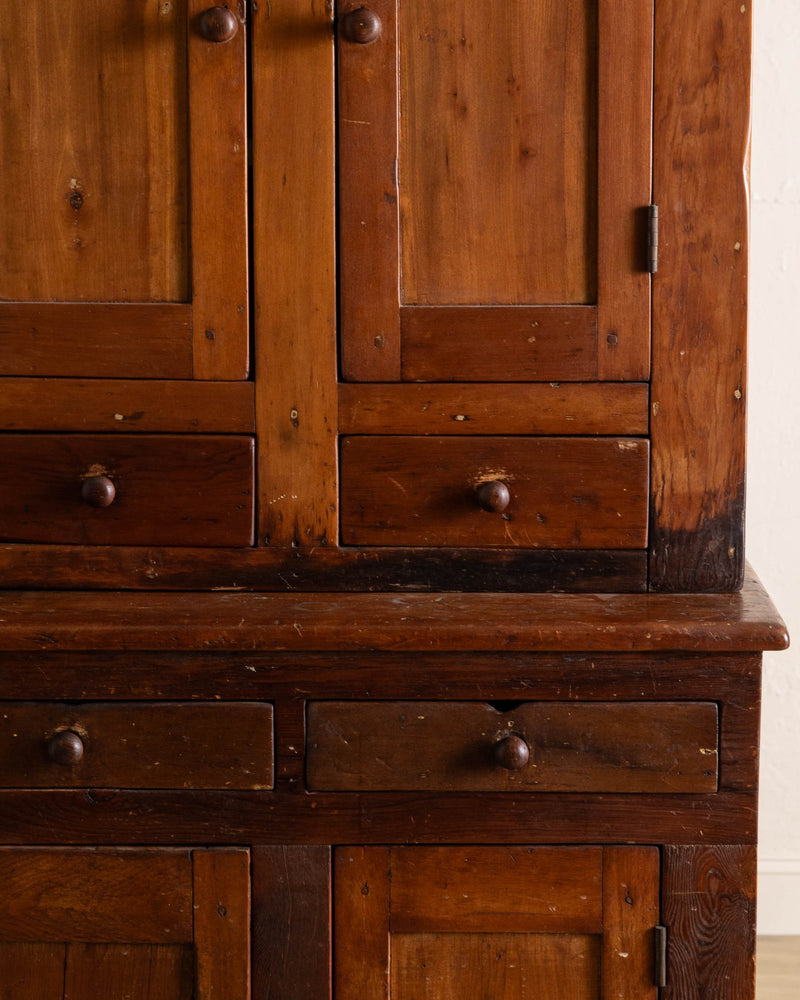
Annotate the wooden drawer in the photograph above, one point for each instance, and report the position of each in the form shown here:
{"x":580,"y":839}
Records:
{"x":535,"y":746}
{"x":167,"y":489}
{"x":136,"y":745}
{"x":560,"y":492}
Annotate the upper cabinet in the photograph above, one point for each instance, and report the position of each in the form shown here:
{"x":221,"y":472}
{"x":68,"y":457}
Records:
{"x":494,"y":183}
{"x":124,"y":142}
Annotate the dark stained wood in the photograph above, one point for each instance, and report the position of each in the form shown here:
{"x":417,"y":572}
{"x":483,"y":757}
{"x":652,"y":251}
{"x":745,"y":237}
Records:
{"x":558,"y":408}
{"x":361,"y":922}
{"x":221,"y":894}
{"x":630,"y":912}
{"x":709,"y":907}
{"x":168,"y":489}
{"x":325,"y":569}
{"x":136,"y":896}
{"x":500,"y":344}
{"x":295,"y":272}
{"x":96,"y":340}
{"x":574,"y":747}
{"x":178,"y":407}
{"x":624,"y":148}
{"x":291,"y":922}
{"x":552,"y":890}
{"x":741,"y":622}
{"x":137,"y":745}
{"x":565,"y":492}
{"x":702,"y":136}
{"x":368,"y":201}
{"x":33,"y":969}
{"x":200,"y":817}
{"x":218,"y":198}
{"x":122,"y":971}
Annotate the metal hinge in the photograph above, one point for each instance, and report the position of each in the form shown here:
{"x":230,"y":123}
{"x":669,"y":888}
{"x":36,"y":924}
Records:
{"x":652,"y":239}
{"x":660,"y":968}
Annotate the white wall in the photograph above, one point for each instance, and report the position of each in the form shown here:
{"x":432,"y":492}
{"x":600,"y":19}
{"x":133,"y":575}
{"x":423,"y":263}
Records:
{"x":773,"y":492}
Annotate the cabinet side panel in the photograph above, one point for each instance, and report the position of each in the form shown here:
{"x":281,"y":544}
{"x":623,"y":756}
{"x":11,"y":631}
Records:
{"x":708,"y":906}
{"x":294,"y":226}
{"x":702,"y":98}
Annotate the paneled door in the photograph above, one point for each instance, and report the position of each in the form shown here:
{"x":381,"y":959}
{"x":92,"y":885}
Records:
{"x":123,"y":146}
{"x":495,"y":178}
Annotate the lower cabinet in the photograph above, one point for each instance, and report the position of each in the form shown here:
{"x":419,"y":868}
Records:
{"x":510,"y":923}
{"x":115,"y":924}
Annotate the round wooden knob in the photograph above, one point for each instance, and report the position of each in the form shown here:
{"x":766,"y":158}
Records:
{"x":493,"y":496}
{"x":362,"y":26}
{"x":98,"y":491}
{"x":218,"y":24}
{"x":512,"y":753}
{"x":65,"y":747}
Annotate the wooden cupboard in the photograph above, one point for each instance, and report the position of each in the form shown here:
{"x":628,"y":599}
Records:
{"x":372,"y":419}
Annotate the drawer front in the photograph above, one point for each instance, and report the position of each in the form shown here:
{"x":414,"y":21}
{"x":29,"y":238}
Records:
{"x":551,"y":492}
{"x":129,"y":489}
{"x":536,"y":746}
{"x":136,"y":745}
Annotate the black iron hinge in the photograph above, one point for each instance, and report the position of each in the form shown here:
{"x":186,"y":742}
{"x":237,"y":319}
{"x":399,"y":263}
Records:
{"x":660,"y":968}
{"x":652,"y":239}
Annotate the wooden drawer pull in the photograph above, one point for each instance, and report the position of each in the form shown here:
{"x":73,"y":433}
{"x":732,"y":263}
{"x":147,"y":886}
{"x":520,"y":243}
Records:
{"x":362,"y":26}
{"x":98,"y":491}
{"x":493,"y":496}
{"x":66,"y":748}
{"x":512,"y":753}
{"x":218,"y":24}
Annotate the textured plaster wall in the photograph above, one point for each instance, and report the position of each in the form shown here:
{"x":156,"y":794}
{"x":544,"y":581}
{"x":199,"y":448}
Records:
{"x":773,"y":519}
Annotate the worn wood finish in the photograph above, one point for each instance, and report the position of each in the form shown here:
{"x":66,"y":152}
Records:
{"x":709,"y":907}
{"x":624,"y":149}
{"x":740,"y":622}
{"x":169,"y":489}
{"x":574,"y":747}
{"x":33,"y":969}
{"x":553,"y":890}
{"x":221,"y":893}
{"x":96,"y":340}
{"x":361,"y":923}
{"x":295,"y":286}
{"x":121,"y":971}
{"x":631,"y":908}
{"x":325,"y":569}
{"x":137,"y":896}
{"x":565,"y":492}
{"x":702,"y":132}
{"x":502,"y":344}
{"x":137,"y":745}
{"x":291,"y":922}
{"x":116,"y":405}
{"x":468,"y":409}
{"x":218,"y":197}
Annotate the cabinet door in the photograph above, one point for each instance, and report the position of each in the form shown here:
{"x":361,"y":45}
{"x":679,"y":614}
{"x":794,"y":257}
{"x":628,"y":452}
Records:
{"x":115,"y":924}
{"x":512,"y":923}
{"x":124,"y":250}
{"x":495,"y":165}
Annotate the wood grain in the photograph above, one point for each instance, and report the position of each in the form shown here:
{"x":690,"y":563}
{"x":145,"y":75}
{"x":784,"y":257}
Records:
{"x":34,"y":969}
{"x":137,"y":896}
{"x":740,"y":622}
{"x":291,"y":922}
{"x":702,"y":132}
{"x":565,"y":492}
{"x":221,"y":891}
{"x":361,"y":923}
{"x":295,"y":273}
{"x":708,"y":903}
{"x":121,"y":971}
{"x":469,"y":409}
{"x":630,"y":912}
{"x":137,"y":745}
{"x":574,"y":747}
